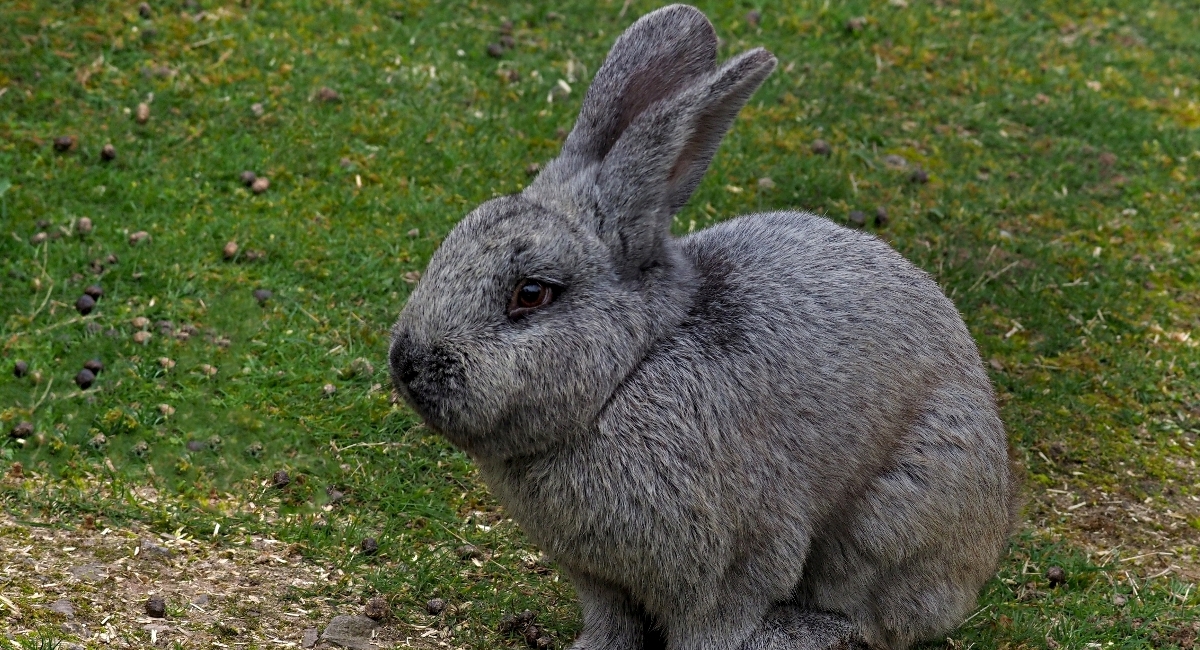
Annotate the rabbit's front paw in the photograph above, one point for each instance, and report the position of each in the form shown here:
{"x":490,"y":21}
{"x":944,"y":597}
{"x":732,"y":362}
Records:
{"x":791,"y":628}
{"x":611,"y":621}
{"x":608,"y":642}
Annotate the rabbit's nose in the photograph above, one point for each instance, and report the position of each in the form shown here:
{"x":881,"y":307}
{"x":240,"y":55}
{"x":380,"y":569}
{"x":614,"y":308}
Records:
{"x":403,"y":358}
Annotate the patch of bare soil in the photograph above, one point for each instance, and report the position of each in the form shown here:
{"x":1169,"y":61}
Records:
{"x":96,"y":587}
{"x":1153,"y":538}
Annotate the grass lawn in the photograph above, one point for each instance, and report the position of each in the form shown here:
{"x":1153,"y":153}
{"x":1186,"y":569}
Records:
{"x":1040,"y":159}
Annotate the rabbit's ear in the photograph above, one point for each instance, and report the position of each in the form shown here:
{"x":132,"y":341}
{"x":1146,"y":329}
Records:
{"x":662,"y":53}
{"x":660,"y":158}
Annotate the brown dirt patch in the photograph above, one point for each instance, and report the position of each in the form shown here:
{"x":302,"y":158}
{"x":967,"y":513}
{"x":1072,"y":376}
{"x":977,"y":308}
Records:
{"x":249,"y":592}
{"x":1155,"y":537}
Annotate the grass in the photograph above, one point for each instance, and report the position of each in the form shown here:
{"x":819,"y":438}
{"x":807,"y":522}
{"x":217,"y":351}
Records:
{"x":1061,"y":142}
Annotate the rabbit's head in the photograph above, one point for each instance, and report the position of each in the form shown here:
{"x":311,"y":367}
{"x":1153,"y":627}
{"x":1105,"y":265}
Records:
{"x":537,"y":305}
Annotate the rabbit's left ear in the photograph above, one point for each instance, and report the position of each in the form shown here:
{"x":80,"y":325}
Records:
{"x":661,"y":54}
{"x":659,"y":160}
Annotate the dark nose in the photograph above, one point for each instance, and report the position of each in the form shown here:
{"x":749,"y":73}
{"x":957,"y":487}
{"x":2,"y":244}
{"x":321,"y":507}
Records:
{"x":403,"y":359}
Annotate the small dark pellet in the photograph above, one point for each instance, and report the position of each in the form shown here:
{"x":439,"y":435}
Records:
{"x":468,"y":552}
{"x":156,"y":607}
{"x":85,"y":378}
{"x":369,"y":546}
{"x":85,"y":304}
{"x":376,"y":609}
{"x":516,"y":623}
{"x":22,"y":430}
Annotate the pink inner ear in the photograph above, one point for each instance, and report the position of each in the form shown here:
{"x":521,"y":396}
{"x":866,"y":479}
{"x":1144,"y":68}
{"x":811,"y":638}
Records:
{"x":706,"y":134}
{"x":644,"y":88}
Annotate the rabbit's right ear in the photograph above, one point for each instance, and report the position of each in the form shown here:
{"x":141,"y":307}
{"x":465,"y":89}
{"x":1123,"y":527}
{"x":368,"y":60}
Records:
{"x":656,"y":165}
{"x":661,"y":54}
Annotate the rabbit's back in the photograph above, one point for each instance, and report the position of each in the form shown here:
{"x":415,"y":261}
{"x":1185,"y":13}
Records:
{"x":834,"y":298}
{"x":823,"y":326}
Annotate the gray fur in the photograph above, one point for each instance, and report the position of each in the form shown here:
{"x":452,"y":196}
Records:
{"x":774,"y":433}
{"x":788,"y":627}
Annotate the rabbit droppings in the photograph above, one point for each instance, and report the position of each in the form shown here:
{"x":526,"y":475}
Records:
{"x":775,"y":433}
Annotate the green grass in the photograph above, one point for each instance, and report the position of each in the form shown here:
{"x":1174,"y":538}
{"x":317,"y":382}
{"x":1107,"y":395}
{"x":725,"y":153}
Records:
{"x":1062,"y":214}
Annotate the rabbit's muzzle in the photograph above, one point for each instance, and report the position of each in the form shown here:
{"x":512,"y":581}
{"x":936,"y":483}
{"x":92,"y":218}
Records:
{"x":428,"y":377}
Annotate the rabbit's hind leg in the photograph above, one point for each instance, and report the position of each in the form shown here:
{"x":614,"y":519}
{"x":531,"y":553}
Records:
{"x":788,"y":627}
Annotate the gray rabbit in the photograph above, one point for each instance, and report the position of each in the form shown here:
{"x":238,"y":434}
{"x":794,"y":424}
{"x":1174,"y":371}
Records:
{"x":775,"y":433}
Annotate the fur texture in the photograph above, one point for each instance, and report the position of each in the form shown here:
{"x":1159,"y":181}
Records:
{"x":774,"y":433}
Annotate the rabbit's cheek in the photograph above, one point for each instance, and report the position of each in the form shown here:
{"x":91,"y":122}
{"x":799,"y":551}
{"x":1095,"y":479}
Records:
{"x":432,"y":402}
{"x":426,"y":407}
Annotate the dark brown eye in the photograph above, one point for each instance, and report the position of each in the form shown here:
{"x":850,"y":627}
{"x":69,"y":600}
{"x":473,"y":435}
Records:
{"x":528,"y":296}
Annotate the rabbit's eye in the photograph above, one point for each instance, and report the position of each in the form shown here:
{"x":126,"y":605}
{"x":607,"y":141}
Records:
{"x":528,"y":296}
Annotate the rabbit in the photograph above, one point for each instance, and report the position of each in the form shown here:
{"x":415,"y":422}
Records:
{"x":774,"y":433}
